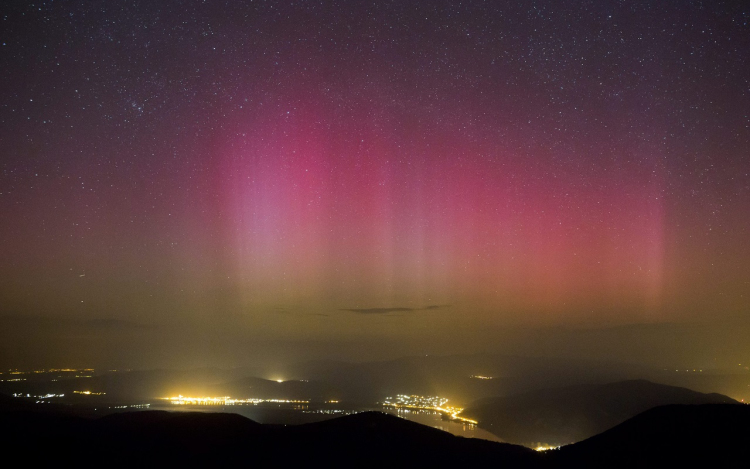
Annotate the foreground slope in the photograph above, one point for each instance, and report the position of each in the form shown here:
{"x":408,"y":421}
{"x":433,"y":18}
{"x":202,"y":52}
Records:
{"x":368,"y":439}
{"x":565,"y":415}
{"x":668,"y":436}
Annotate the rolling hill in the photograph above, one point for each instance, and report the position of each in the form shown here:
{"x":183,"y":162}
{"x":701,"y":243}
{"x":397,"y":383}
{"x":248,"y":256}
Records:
{"x":150,"y":438}
{"x":565,"y":415}
{"x":667,"y":436}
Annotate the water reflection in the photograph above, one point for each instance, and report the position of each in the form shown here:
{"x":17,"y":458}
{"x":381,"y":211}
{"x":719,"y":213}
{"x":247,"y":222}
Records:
{"x":435,"y":420}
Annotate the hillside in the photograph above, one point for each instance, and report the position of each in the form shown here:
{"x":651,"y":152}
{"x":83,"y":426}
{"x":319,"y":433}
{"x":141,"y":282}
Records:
{"x":149,"y":438}
{"x":564,"y":415}
{"x":667,"y":436}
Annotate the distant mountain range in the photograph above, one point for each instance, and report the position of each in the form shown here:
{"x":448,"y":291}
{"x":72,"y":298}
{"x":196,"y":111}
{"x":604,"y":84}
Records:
{"x":565,"y":415}
{"x":452,"y":375}
{"x":370,"y":382}
{"x":709,"y":435}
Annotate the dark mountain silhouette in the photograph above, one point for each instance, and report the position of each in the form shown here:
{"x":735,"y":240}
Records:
{"x":670,"y":436}
{"x":382,"y":440}
{"x":569,"y":414}
{"x":716,"y":436}
{"x":369,"y":439}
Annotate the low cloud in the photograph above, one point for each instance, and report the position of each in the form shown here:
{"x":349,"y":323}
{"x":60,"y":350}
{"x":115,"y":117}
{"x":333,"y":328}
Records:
{"x":378,"y":310}
{"x":393,"y":309}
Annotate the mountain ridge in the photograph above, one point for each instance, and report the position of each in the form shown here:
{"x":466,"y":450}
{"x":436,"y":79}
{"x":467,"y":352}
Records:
{"x":557,"y":416}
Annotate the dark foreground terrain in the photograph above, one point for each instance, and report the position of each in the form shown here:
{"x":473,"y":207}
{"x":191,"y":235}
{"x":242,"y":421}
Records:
{"x":668,"y":436}
{"x":560,"y":416}
{"x":709,"y":435}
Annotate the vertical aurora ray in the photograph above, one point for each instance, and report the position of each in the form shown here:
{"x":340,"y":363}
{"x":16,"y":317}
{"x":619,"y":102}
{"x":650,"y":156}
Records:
{"x":329,"y":171}
{"x":333,"y":209}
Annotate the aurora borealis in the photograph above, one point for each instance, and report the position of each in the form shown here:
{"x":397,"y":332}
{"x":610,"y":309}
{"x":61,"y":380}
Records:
{"x":387,"y":170}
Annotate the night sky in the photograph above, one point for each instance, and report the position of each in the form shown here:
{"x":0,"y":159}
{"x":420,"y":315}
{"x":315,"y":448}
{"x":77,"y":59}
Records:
{"x":221,"y":173}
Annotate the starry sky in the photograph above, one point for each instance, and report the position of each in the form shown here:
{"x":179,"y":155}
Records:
{"x":328,"y":171}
